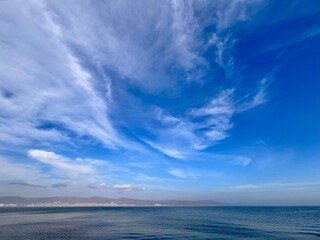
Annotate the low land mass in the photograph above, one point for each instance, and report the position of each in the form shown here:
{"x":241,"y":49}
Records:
{"x":15,"y":201}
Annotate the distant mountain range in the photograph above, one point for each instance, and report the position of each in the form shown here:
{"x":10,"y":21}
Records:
{"x":12,"y":201}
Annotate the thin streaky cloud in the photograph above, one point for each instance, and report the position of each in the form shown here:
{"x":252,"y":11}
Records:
{"x":156,"y":99}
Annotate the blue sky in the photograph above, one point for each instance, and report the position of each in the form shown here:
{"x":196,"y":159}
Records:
{"x":161,"y":100}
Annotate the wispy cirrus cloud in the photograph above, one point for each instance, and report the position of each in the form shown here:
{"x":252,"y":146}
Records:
{"x":160,"y":90}
{"x":230,"y":12}
{"x":205,"y":126}
{"x":188,"y":173}
{"x":65,"y":102}
{"x":217,"y":116}
{"x":120,"y":188}
{"x":260,"y":97}
{"x":171,"y":152}
{"x":277,"y":186}
{"x":180,"y":173}
{"x":242,"y":161}
{"x":139,"y":50}
{"x":77,"y":72}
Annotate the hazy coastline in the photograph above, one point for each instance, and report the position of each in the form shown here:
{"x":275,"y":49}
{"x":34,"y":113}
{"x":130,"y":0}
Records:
{"x":16,"y":201}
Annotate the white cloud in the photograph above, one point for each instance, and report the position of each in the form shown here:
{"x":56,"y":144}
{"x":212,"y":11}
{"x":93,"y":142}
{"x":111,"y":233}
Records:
{"x":259,"y":98}
{"x":167,"y":151}
{"x":242,"y":161}
{"x":221,"y":104}
{"x":48,"y":88}
{"x":116,"y":187}
{"x":20,"y":172}
{"x":178,"y":137}
{"x":245,"y":187}
{"x":103,"y":165}
{"x":295,"y":39}
{"x":230,"y":12}
{"x":143,"y":49}
{"x":23,"y":175}
{"x":102,"y":185}
{"x":222,"y":44}
{"x":277,"y":186}
{"x":78,"y":177}
{"x":48,"y":97}
{"x":85,"y":171}
{"x":202,"y":127}
{"x":183,"y":173}
{"x":138,"y":49}
{"x":57,"y":173}
{"x":122,"y":187}
{"x":216,"y":117}
{"x":188,"y":173}
{"x":60,"y":163}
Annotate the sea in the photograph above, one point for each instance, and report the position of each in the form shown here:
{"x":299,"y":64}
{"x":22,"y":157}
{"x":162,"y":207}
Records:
{"x":159,"y":223}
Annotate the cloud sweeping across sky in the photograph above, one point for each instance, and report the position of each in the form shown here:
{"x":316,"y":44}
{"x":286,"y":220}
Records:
{"x":158,"y":99}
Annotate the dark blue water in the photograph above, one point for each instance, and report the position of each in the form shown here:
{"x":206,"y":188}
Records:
{"x":160,"y":223}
